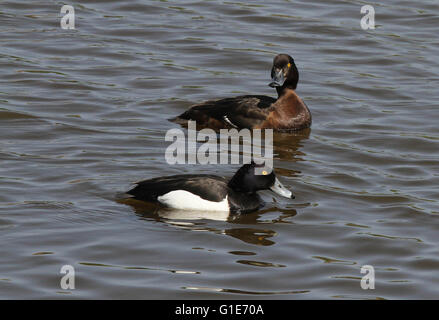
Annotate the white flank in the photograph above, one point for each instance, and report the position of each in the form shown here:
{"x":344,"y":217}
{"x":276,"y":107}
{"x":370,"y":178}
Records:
{"x":181,"y":199}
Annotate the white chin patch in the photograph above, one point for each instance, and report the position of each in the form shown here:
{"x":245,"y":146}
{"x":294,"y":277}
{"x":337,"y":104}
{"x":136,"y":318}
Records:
{"x":184,"y":200}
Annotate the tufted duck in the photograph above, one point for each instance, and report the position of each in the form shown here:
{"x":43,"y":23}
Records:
{"x":210,"y":192}
{"x":286,"y":113}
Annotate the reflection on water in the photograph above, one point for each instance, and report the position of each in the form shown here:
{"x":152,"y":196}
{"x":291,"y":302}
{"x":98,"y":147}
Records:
{"x":203,"y":221}
{"x":92,"y":264}
{"x":235,"y":291}
{"x":255,"y":236}
{"x":287,"y":145}
{"x":84,"y":112}
{"x":261,"y":264}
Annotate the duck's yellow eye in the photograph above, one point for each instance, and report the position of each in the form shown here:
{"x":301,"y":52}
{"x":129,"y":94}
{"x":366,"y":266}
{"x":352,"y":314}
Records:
{"x":264,"y":173}
{"x":289,"y":65}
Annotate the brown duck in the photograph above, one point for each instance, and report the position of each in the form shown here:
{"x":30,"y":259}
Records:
{"x":286,"y":113}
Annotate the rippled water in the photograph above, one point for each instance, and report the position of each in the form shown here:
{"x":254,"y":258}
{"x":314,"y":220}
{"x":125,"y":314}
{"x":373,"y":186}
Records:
{"x":83,"y":114}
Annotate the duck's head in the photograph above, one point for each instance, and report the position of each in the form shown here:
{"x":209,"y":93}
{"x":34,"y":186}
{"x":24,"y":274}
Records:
{"x":284,"y":73}
{"x":252,"y":177}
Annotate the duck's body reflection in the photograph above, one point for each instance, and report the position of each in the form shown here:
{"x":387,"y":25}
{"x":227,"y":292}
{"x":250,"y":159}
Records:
{"x":287,"y":145}
{"x":214,"y":221}
{"x":175,"y":214}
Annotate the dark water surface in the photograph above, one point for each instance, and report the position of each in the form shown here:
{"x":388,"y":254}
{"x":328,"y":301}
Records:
{"x":83,"y":114}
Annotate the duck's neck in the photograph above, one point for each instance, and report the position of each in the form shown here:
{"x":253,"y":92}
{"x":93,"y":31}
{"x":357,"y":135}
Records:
{"x":289,"y":98}
{"x":285,"y":89}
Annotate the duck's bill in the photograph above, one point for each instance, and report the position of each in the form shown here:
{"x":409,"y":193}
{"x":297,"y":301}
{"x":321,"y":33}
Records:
{"x":277,"y":78}
{"x":279,"y":189}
